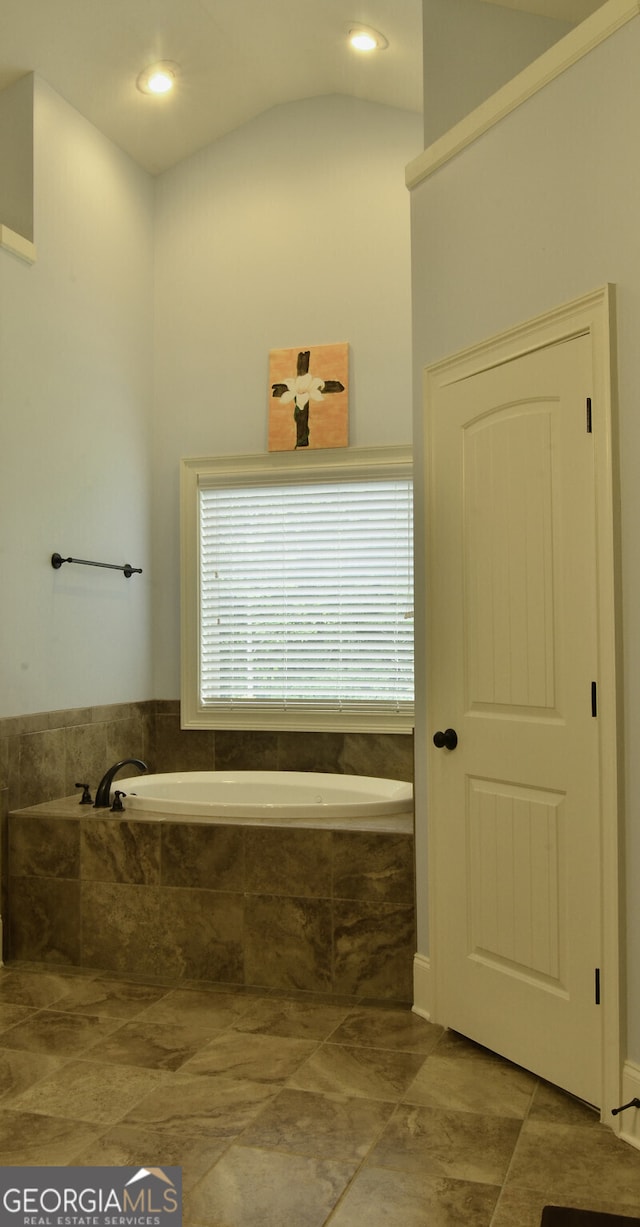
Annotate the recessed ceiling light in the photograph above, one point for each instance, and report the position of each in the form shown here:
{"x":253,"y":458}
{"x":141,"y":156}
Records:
{"x":158,"y":78}
{"x":364,"y":38}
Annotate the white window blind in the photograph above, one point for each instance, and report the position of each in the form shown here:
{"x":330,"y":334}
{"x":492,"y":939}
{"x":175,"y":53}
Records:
{"x":306,"y":596}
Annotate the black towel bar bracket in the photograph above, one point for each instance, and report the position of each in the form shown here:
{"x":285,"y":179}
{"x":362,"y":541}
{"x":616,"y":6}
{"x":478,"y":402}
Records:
{"x":57,"y":561}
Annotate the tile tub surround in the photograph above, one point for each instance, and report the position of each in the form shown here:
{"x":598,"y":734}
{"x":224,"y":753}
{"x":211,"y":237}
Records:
{"x":42,"y":755}
{"x":327,"y":911}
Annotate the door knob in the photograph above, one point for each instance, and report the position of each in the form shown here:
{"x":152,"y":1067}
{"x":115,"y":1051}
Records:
{"x":447,"y":740}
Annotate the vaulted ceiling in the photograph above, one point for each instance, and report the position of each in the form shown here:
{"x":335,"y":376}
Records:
{"x":236,"y":58}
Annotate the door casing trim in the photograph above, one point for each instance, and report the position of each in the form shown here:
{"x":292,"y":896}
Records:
{"x":593,"y":315}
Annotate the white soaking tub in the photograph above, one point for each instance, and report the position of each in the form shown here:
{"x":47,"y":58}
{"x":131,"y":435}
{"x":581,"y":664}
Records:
{"x":271,"y":797}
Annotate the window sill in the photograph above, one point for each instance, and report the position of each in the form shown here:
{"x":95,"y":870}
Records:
{"x":297,"y":721}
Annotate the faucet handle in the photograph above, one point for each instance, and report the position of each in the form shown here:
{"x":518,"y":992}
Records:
{"x":86,"y":795}
{"x":117,"y":806}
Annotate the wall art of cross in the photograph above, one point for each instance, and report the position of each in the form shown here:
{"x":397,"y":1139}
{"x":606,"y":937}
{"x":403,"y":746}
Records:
{"x":301,"y":390}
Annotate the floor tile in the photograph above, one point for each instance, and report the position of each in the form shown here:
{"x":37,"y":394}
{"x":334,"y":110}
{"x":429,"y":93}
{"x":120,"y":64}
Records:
{"x":11,"y":1014}
{"x":371,"y":1072}
{"x":57,"y":1034}
{"x":128,"y":1146}
{"x":110,"y":998}
{"x":21,"y":1070}
{"x":381,"y":1028}
{"x":457,"y":1145}
{"x":300,"y":1019}
{"x":153,"y":1045}
{"x":379,"y":1198}
{"x":89,"y":1091}
{"x":557,"y":1108}
{"x":29,"y":1139}
{"x":200,"y":1008}
{"x":523,"y":1207}
{"x":487,"y":1087}
{"x":261,"y":1188}
{"x":263,"y":1058}
{"x":566,"y":1161}
{"x":32,"y":988}
{"x":349,"y":1000}
{"x":326,"y":1126}
{"x":201,"y":1107}
{"x":519,"y":1208}
{"x":454,"y":1045}
{"x":284,"y":1107}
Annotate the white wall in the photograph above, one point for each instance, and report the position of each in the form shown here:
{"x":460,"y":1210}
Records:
{"x":75,"y":382}
{"x":293,"y":230}
{"x":470,"y":50}
{"x":539,"y":210}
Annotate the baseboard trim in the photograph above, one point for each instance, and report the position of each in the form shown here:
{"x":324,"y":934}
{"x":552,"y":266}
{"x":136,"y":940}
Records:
{"x":422,"y":990}
{"x":630,"y":1119}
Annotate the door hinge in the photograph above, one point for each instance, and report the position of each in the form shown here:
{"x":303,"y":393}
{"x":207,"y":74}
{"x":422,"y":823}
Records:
{"x":597,"y":985}
{"x":594,"y":699}
{"x":589,"y":422}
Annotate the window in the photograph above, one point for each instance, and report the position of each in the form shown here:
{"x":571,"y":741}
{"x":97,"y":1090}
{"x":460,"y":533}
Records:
{"x":297,"y":591}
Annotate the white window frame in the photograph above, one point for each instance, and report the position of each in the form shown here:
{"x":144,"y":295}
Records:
{"x":269,"y":468}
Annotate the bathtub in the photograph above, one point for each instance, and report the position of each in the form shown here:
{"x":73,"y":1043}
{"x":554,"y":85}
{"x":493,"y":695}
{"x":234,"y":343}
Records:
{"x":244,"y":901}
{"x":270,"y":797}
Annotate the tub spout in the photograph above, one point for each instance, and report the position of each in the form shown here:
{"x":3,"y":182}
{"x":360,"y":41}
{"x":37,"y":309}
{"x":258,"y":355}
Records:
{"x":103,"y":794}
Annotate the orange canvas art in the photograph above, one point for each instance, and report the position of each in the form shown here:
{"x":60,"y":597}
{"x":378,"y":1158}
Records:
{"x":309,"y":397}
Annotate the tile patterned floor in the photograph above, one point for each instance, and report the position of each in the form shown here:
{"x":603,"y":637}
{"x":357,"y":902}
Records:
{"x":289,"y":1110}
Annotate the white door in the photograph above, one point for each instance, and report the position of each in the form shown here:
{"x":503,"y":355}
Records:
{"x":515,"y":808}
